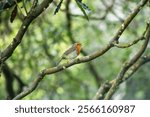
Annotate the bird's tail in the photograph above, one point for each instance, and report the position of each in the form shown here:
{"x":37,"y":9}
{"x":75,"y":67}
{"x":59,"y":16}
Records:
{"x":59,"y":61}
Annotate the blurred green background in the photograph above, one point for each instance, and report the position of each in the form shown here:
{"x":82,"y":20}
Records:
{"x":50,"y":35}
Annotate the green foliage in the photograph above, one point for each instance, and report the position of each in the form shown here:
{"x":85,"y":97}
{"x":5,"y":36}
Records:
{"x":13,"y":14}
{"x":83,"y":8}
{"x":47,"y":38}
{"x":58,"y":7}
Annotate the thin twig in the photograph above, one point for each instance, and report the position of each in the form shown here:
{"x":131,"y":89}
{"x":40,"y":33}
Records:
{"x":127,"y":65}
{"x":24,"y":6}
{"x":126,"y":45}
{"x":18,"y":7}
{"x":104,"y":88}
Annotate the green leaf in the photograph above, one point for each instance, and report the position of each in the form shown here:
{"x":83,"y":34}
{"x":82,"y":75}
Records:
{"x":13,"y":14}
{"x":58,"y":7}
{"x":83,"y":7}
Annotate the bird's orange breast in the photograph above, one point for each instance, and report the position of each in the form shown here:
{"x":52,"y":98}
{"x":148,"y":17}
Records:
{"x":78,"y":48}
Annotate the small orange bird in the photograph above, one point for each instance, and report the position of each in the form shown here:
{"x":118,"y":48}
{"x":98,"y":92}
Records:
{"x":72,"y":52}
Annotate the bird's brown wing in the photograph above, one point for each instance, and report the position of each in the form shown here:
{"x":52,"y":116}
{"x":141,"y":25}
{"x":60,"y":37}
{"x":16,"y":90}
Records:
{"x":71,"y":49}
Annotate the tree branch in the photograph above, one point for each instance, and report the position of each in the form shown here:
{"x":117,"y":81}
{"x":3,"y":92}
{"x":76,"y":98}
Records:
{"x":127,"y":65}
{"x":86,"y":58}
{"x":8,"y":81}
{"x":6,"y":4}
{"x":104,"y":88}
{"x":126,"y":45}
{"x":128,"y":20}
{"x":143,"y":60}
{"x":18,"y":38}
{"x":92,"y":69}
